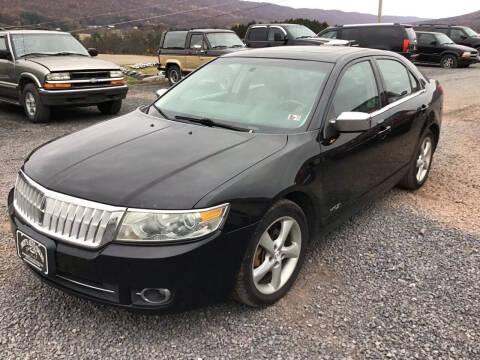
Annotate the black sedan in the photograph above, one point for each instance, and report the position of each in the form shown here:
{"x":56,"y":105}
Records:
{"x":218,"y":186}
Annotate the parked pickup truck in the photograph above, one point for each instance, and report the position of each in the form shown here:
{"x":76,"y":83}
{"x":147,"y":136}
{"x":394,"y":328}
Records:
{"x":181,"y":52}
{"x":40,"y":69}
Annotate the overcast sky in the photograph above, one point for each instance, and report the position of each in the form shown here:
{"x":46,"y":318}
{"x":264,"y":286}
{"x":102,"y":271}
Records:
{"x":422,"y":8}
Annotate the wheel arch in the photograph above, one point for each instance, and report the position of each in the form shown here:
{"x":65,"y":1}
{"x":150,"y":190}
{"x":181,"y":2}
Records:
{"x":449,"y":52}
{"x":28,"y":77}
{"x":307,"y":204}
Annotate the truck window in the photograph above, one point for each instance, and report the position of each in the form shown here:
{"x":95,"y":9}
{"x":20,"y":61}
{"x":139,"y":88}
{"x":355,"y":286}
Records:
{"x":258,"y":34}
{"x":195,"y":40}
{"x":175,"y":40}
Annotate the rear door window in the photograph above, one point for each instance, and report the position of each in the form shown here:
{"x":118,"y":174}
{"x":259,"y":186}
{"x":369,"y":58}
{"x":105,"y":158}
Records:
{"x":357,"y":90}
{"x":3,"y":44}
{"x":258,"y":34}
{"x":396,"y":79}
{"x":175,"y":40}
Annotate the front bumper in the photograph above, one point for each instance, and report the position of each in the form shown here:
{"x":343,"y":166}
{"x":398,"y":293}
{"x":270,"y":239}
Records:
{"x":194,"y":273}
{"x":88,"y":96}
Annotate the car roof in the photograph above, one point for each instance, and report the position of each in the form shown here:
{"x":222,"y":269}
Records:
{"x":212,"y":30}
{"x":35,"y":32}
{"x":321,"y":53}
{"x":429,"y":32}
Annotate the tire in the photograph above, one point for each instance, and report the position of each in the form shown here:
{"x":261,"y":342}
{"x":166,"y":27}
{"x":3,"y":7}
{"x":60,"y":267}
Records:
{"x":283,"y":260}
{"x":110,"y":107}
{"x":449,"y":61}
{"x":414,"y":179}
{"x":174,"y":74}
{"x":35,"y":111}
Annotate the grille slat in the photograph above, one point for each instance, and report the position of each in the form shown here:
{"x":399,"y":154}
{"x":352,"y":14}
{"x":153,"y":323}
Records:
{"x":63,"y":217}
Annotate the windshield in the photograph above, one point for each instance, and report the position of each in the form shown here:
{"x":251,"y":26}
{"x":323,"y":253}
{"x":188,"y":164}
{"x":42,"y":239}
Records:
{"x":224,"y":40}
{"x":470,"y":32}
{"x":443,"y":39}
{"x":266,"y":95}
{"x":300,"y":31}
{"x":46,"y":44}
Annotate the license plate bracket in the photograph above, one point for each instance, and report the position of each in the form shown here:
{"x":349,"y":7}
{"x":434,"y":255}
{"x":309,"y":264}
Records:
{"x":35,"y":253}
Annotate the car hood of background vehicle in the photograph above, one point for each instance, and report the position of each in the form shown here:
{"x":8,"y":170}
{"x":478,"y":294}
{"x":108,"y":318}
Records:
{"x":460,"y":47}
{"x":73,"y":63}
{"x":144,"y":162}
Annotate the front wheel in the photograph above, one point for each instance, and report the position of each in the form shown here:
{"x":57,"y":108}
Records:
{"x":421,"y":164}
{"x":34,"y":109}
{"x":449,"y":62}
{"x":110,"y":107}
{"x":174,"y":74}
{"x":274,"y":257}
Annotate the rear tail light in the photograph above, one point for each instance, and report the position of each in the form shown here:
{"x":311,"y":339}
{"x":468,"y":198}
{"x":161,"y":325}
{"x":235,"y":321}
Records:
{"x":440,"y":88}
{"x":406,"y":45}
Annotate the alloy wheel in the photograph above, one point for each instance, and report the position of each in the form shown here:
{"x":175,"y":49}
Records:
{"x":174,"y":76}
{"x":424,"y":159}
{"x":448,"y":62}
{"x":30,"y":104}
{"x":276,"y":255}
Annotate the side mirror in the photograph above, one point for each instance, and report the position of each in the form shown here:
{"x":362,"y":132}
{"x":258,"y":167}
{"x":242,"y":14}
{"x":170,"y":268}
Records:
{"x":160,"y":92}
{"x":463,"y":37}
{"x":434,"y":43}
{"x":5,"y":55}
{"x":352,"y":122}
{"x":197,"y":47}
{"x":93,"y":52}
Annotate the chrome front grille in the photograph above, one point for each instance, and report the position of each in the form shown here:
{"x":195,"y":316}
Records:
{"x":66,"y":218}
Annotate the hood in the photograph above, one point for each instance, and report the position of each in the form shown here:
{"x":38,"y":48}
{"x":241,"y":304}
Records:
{"x":312,"y":40}
{"x":72,"y":63}
{"x":459,"y":47}
{"x":144,"y":162}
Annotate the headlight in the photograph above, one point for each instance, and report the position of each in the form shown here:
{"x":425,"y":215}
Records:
{"x":58,"y":76}
{"x":150,"y":226}
{"x":116,"y":74}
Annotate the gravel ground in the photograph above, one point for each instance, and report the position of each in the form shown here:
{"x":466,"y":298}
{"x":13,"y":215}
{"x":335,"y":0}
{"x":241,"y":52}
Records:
{"x":375,"y":288}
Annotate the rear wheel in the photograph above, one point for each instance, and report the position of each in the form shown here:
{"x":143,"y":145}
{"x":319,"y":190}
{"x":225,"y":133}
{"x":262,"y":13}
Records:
{"x":174,"y":74}
{"x":34,"y":109}
{"x":449,"y":61}
{"x":420,"y":165}
{"x":110,"y":107}
{"x":274,"y":257}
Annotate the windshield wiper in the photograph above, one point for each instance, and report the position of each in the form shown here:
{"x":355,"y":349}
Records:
{"x":34,"y":54}
{"x":306,"y":36}
{"x":63,"y":53}
{"x":235,"y":46}
{"x":211,"y":123}
{"x":219,"y":46}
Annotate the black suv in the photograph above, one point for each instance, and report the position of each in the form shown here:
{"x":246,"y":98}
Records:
{"x":386,"y":36}
{"x":438,"y":48}
{"x":462,"y":35}
{"x":265,"y":35}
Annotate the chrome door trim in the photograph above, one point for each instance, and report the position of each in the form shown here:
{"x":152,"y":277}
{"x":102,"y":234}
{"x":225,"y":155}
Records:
{"x":396,"y":103}
{"x":8,"y":84}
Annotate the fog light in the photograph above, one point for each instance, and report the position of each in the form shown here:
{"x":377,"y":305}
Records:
{"x":155,"y":296}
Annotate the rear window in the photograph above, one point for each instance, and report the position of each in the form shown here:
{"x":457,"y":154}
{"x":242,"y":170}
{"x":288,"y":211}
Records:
{"x":258,"y":34}
{"x":375,"y":37}
{"x":396,"y":78}
{"x":175,"y":40}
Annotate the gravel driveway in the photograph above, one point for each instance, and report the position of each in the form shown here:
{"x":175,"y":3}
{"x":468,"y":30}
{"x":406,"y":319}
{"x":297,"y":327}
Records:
{"x":400,"y":280}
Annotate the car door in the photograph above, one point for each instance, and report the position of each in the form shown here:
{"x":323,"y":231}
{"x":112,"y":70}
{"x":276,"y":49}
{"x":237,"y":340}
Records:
{"x":352,"y":164}
{"x":257,"y":37}
{"x":8,"y":84}
{"x":459,"y":36}
{"x":276,"y":36}
{"x":404,"y":114}
{"x":195,"y":51}
{"x":428,"y":48}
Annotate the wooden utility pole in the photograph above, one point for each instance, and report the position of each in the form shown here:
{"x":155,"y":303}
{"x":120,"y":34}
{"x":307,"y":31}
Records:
{"x":380,"y":10}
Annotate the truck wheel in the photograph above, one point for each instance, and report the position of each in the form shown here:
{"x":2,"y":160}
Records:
{"x":34,"y":109}
{"x":110,"y":107}
{"x":174,"y":74}
{"x":449,"y":61}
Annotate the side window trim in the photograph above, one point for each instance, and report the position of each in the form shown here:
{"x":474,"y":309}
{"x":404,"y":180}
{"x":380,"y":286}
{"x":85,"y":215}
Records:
{"x":368,"y":59}
{"x":391,"y":105}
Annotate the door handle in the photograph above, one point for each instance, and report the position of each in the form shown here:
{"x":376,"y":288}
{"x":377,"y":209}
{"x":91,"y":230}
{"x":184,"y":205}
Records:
{"x":384,"y":130}
{"x":423,"y":107}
